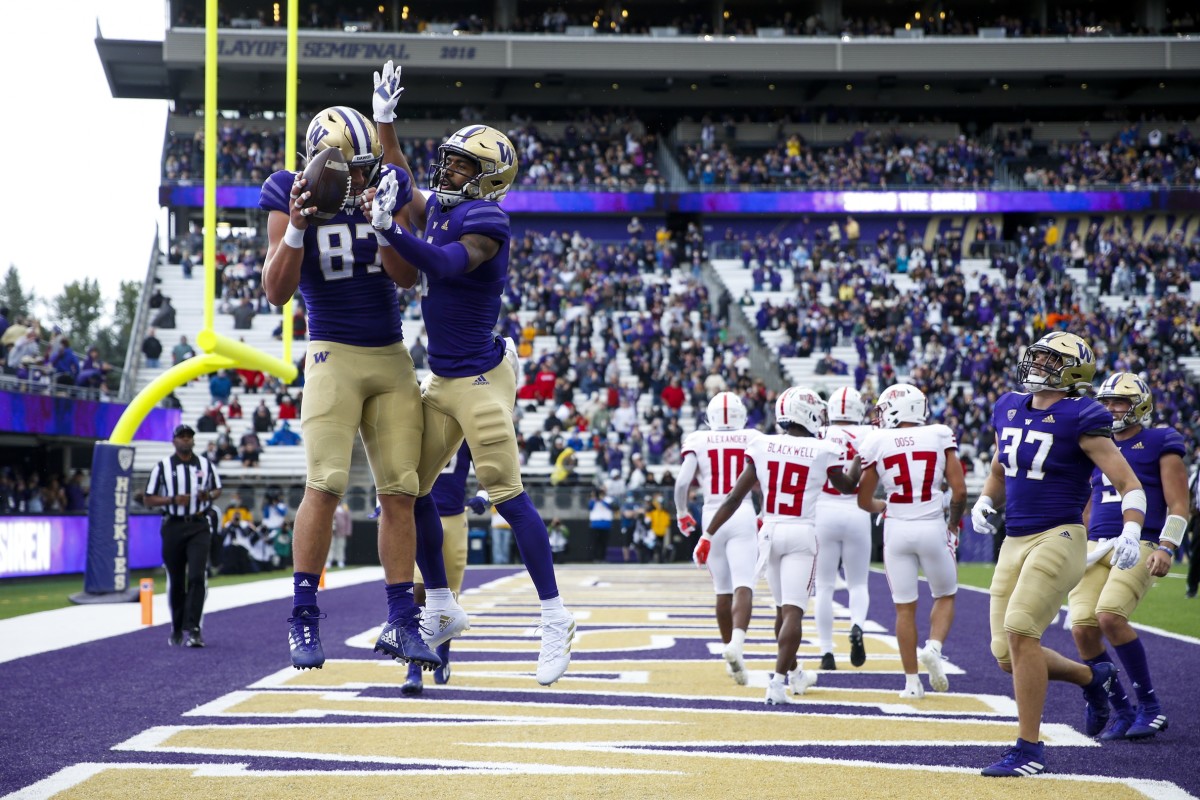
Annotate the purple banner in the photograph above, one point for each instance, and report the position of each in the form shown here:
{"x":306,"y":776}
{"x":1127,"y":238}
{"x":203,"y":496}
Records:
{"x":65,"y":416}
{"x":44,"y":545}
{"x":905,"y":202}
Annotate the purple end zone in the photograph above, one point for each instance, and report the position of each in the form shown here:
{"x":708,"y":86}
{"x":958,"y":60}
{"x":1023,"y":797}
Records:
{"x":73,"y":705}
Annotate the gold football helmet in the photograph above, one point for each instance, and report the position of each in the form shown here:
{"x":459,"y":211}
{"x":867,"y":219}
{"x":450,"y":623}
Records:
{"x":353,"y":134}
{"x":1058,"y":361}
{"x":1129,"y":387}
{"x":487,"y":147}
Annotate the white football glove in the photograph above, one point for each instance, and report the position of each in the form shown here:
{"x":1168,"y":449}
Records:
{"x":981,"y":515}
{"x":384,"y":204}
{"x":387,"y":93}
{"x":1128,"y":550}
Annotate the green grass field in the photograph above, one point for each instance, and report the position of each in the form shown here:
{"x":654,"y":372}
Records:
{"x":1164,"y":607}
{"x":27,"y":595}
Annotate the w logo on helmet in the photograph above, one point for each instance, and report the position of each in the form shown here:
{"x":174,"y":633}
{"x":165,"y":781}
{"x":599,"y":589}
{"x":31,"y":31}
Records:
{"x":315,"y":134}
{"x":505,"y":153}
{"x":1085,"y":353}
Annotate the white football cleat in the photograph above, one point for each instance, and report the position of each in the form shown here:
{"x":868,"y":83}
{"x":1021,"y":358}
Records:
{"x":799,"y":680}
{"x":443,"y":624}
{"x":932,"y":662}
{"x":777,"y":693}
{"x":736,"y":664}
{"x":913,"y":694}
{"x":558,"y":632}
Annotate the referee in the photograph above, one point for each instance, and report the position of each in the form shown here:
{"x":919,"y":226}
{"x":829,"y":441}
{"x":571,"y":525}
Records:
{"x":184,"y":485}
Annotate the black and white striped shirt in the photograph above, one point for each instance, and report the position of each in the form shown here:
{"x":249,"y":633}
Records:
{"x":172,"y":476}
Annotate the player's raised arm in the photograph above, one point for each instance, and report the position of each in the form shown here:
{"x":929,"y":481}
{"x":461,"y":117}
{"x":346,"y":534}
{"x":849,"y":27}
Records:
{"x":383,"y":104}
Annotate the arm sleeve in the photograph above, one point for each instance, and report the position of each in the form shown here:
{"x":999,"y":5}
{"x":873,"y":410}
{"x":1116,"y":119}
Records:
{"x":437,"y":262}
{"x":687,"y":471}
{"x":276,"y":192}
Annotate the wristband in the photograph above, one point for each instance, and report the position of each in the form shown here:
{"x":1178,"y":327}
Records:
{"x":293,"y":237}
{"x":1173,"y":530}
{"x":1133,"y":529}
{"x":1166,"y":550}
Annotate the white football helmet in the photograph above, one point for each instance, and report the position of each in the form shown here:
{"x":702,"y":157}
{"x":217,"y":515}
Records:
{"x":902,"y":402}
{"x":800,"y":406}
{"x":487,"y":147}
{"x":846,"y":405}
{"x":726,"y":412}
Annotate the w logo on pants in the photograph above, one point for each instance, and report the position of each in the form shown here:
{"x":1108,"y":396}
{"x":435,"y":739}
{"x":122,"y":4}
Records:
{"x":319,"y":358}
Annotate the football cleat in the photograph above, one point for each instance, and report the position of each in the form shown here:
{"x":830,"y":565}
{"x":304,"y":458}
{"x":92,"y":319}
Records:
{"x":1118,"y":726}
{"x":1150,"y":720}
{"x":933,"y":663}
{"x":441,"y":675}
{"x":413,"y":685}
{"x":192,"y":638}
{"x":736,"y":664}
{"x":558,"y":632}
{"x":858,"y":653}
{"x":915,"y":693}
{"x":304,"y":638}
{"x":799,"y":681}
{"x":175,"y":639}
{"x":828,"y":662}
{"x":443,"y":624}
{"x":402,"y":641}
{"x":777,"y":693}
{"x":1021,"y":761}
{"x":1096,"y":711}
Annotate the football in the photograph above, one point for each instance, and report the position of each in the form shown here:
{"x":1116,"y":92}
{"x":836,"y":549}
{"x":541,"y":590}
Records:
{"x":328,"y":179}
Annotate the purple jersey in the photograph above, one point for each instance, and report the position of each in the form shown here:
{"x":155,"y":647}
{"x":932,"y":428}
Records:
{"x":1142,"y":452}
{"x":460,"y":313}
{"x":1045,"y":470}
{"x":349,"y":298}
{"x":449,"y":491}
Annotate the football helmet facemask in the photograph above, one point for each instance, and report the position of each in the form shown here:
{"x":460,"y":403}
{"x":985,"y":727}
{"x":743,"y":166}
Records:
{"x":1067,"y":364}
{"x":490,"y":150}
{"x":353,"y":134}
{"x":800,"y":406}
{"x":846,"y":405}
{"x":1129,"y":387}
{"x":899,"y":403}
{"x":726,"y":412}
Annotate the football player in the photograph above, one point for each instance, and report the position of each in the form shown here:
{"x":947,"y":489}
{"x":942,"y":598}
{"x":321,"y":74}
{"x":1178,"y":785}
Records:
{"x":359,"y":379}
{"x":791,"y":468}
{"x":911,"y":458}
{"x":843,"y":533}
{"x":461,"y":258}
{"x":1102,"y":602}
{"x":448,"y":492}
{"x":1048,"y":440}
{"x":716,"y":456}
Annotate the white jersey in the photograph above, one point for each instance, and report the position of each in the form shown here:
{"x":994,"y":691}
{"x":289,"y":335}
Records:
{"x":720,"y":459}
{"x":910,"y":463}
{"x":791,"y":471}
{"x":849,"y":437}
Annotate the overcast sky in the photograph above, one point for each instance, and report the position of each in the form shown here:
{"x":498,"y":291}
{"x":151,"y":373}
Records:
{"x":82,"y":172}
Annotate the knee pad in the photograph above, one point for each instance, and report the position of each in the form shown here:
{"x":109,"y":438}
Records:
{"x":1021,"y":622}
{"x":331,"y":482}
{"x":1000,"y":650}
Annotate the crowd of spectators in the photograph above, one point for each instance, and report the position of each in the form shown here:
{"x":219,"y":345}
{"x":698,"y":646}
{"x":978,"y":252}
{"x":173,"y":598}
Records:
{"x":41,"y":361}
{"x":871,"y":159}
{"x":1158,"y":158}
{"x":559,"y":19}
{"x":39,"y":491}
{"x":595,"y":152}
